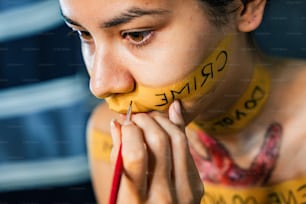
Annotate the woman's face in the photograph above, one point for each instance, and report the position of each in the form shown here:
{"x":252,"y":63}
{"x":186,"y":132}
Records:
{"x":149,"y":42}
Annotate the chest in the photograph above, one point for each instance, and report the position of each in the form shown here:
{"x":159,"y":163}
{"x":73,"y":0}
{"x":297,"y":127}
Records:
{"x":278,"y":157}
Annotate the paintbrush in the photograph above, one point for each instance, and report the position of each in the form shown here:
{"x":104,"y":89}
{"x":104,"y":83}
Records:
{"x":119,"y":165}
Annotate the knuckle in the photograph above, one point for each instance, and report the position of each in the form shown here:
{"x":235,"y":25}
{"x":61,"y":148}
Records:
{"x":130,"y":129}
{"x":157,"y":138}
{"x":134,"y":157}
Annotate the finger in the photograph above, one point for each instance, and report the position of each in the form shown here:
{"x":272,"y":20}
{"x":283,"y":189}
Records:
{"x":188,"y":185}
{"x":135,"y":158}
{"x":129,"y":193}
{"x":157,"y":142}
{"x":175,"y":114}
{"x":115,"y":128}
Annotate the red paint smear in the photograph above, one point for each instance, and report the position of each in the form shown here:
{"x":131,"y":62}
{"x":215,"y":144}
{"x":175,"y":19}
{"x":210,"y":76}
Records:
{"x":220,"y":167}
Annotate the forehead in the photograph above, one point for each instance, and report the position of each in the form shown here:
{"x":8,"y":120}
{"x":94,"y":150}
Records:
{"x":107,"y":8}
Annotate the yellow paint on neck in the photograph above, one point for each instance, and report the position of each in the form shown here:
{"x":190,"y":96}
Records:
{"x":245,"y":109}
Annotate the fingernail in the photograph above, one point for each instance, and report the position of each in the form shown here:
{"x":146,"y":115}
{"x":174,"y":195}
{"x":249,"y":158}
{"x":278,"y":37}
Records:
{"x":177,"y":107}
{"x":113,"y":123}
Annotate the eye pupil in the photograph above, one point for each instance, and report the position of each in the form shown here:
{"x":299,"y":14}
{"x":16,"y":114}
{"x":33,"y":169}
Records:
{"x":85,"y":33}
{"x":138,"y":36}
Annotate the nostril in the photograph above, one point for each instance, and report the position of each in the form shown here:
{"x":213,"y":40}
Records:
{"x":106,"y":84}
{"x":131,"y":86}
{"x":98,"y":89}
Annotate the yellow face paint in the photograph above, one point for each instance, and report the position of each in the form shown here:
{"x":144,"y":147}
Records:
{"x":245,"y":109}
{"x":199,"y":82}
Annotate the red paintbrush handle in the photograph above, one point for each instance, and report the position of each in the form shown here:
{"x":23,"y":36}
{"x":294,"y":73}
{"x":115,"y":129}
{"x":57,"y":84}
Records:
{"x":116,"y":178}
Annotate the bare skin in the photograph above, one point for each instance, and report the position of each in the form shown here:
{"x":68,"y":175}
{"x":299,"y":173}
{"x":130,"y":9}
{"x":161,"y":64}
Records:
{"x":244,"y":150}
{"x":158,"y":167}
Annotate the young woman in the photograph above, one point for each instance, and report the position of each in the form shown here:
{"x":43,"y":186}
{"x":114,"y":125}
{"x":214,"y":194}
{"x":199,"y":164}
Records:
{"x":208,"y":107}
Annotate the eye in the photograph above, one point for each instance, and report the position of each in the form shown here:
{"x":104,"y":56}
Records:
{"x":84,"y":35}
{"x":138,"y":37}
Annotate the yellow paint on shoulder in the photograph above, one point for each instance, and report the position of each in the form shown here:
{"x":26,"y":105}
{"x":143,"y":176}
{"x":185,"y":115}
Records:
{"x":100,"y":145}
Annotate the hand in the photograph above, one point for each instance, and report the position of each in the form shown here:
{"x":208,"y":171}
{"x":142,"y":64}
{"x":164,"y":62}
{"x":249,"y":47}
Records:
{"x":158,"y":167}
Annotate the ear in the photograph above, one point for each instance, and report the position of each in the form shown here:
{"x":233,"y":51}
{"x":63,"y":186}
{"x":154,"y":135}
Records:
{"x":250,"y":15}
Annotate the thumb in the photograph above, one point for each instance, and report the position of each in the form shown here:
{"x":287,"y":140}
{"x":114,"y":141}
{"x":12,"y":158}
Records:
{"x":175,"y":114}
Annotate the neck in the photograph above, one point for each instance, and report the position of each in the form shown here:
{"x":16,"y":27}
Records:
{"x":222,"y":104}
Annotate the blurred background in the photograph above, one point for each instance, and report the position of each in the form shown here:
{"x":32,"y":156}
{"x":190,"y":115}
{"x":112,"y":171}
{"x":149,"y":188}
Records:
{"x":283,"y":31}
{"x":45,"y":102}
{"x":44,"y":107}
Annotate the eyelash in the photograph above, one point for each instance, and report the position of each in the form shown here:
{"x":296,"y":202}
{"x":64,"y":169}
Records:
{"x":147,"y":36}
{"x":80,"y":34}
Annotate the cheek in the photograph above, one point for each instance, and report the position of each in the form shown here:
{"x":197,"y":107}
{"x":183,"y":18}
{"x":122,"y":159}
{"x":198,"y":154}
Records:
{"x":88,"y":57}
{"x":167,"y":62}
{"x":178,"y":53}
{"x":175,"y":60}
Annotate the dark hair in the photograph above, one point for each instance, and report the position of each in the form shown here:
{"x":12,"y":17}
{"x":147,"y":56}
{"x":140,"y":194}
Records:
{"x":219,"y":10}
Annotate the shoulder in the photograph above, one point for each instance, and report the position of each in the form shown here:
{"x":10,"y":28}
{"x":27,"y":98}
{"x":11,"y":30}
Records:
{"x":290,"y":70}
{"x":99,"y":147}
{"x":288,"y":94}
{"x":288,"y":107}
{"x":288,"y":81}
{"x":98,"y":137}
{"x":101,"y":117}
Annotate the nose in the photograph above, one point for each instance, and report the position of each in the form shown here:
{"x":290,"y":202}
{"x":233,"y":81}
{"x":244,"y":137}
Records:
{"x":109,"y":74}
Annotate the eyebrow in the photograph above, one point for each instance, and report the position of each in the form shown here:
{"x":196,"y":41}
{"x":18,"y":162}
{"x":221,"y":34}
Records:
{"x":131,"y":14}
{"x":68,"y":20}
{"x":124,"y":17}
